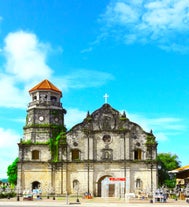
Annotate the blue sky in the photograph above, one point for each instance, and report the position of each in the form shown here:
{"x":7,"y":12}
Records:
{"x":136,"y":51}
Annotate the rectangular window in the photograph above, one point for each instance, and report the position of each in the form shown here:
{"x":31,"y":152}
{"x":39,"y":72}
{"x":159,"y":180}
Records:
{"x":138,"y":154}
{"x":35,"y":155}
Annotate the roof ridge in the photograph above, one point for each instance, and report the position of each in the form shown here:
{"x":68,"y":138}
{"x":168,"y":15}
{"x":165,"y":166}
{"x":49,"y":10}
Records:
{"x":48,"y":83}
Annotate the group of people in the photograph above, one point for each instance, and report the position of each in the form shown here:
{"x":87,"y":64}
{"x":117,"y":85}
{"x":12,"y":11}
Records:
{"x":160,"y":195}
{"x":30,"y":195}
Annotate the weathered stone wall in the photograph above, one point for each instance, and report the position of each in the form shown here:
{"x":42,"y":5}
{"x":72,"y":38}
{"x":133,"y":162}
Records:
{"x":107,"y":142}
{"x":44,"y":152}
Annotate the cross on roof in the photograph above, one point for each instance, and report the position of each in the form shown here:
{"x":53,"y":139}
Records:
{"x":106,"y":98}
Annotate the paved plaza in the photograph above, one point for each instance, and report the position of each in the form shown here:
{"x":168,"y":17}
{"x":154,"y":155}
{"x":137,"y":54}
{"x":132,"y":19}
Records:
{"x":98,"y":202}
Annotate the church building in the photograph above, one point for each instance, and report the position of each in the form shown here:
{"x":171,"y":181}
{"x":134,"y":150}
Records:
{"x":104,"y":155}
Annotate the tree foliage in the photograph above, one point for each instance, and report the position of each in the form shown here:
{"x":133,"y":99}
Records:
{"x":166,"y":163}
{"x":12,"y":172}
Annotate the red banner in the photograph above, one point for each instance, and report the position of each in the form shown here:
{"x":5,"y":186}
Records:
{"x":117,"y":179}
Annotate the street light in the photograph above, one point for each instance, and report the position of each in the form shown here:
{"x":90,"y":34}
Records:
{"x":53,"y":193}
{"x":159,"y":174}
{"x":76,"y":188}
{"x":77,"y":197}
{"x":18,"y":191}
{"x":151,"y":168}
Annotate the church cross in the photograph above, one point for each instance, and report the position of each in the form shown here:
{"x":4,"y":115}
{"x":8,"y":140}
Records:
{"x":106,"y":98}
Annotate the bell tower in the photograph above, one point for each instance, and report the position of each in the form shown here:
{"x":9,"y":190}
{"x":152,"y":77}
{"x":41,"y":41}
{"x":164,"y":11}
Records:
{"x":44,"y":112}
{"x":44,"y":139}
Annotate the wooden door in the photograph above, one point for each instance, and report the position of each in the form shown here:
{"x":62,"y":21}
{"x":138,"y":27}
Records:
{"x":111,"y":190}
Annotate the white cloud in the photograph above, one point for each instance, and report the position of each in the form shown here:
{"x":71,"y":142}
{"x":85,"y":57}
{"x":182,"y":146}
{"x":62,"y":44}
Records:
{"x":83,"y":78}
{"x":121,"y":13}
{"x":161,"y":136}
{"x":9,"y":149}
{"x":26,"y":65}
{"x":74,"y":116}
{"x":11,"y":95}
{"x":8,"y":138}
{"x":167,"y":123}
{"x":25,"y":62}
{"x":26,"y":56}
{"x":163,"y":128}
{"x":86,"y":50}
{"x":149,"y":21}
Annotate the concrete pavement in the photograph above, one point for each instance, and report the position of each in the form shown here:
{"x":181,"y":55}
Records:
{"x":98,"y":202}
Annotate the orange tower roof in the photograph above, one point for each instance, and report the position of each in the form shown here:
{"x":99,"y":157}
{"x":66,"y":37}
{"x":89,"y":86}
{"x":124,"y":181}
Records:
{"x":45,"y":85}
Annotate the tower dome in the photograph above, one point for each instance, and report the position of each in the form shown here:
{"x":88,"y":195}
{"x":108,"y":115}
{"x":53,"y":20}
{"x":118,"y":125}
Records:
{"x":45,"y":85}
{"x":45,"y":94}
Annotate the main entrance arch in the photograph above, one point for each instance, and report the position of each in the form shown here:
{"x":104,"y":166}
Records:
{"x":100,"y":185}
{"x":109,"y":186}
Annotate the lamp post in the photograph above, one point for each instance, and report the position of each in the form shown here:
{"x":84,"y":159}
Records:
{"x":125,"y":173}
{"x":151,"y":172}
{"x":150,"y":163}
{"x":18,"y":191}
{"x":77,"y":194}
{"x":159,"y":174}
{"x":87,"y":133}
{"x":76,"y":188}
{"x":53,"y":193}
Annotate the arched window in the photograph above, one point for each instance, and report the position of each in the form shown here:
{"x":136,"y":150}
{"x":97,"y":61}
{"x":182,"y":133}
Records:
{"x":75,"y":154}
{"x":34,"y":98}
{"x":75,"y":184}
{"x":53,"y":99}
{"x":35,"y":155}
{"x":43,"y":97}
{"x":35,"y":185}
{"x":107,"y":154}
{"x":138,"y":154}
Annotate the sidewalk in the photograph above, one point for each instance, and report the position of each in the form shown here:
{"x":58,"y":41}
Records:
{"x":101,"y":202}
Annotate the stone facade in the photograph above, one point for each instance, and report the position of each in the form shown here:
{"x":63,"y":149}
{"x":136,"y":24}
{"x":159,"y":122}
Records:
{"x":105,"y":145}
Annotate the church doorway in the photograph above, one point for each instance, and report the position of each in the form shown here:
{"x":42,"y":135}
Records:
{"x":100,"y":184}
{"x":35,"y":185}
{"x":111,"y":190}
{"x":112,"y":187}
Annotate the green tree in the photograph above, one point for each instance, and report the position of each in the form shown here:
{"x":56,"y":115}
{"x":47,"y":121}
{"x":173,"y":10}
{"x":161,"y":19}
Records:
{"x":166,"y":163}
{"x":12,"y":172}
